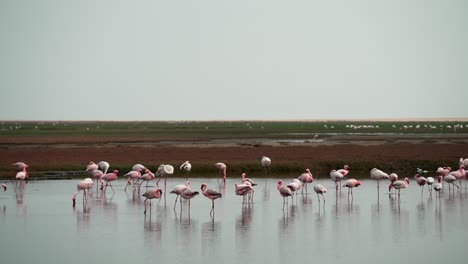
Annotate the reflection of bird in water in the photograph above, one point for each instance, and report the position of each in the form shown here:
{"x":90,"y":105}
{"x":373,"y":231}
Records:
{"x":83,"y":185}
{"x":210,"y":194}
{"x":151,"y":194}
{"x":306,"y":178}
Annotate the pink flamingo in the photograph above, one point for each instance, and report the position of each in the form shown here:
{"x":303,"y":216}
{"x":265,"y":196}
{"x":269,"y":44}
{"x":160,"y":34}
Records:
{"x":97,"y":175}
{"x":20,"y":165}
{"x":179,"y":189}
{"x":266,"y":162}
{"x":148,"y":176}
{"x":439,"y":185}
{"x":132,"y":175}
{"x":336,"y":177}
{"x":459,"y":174}
{"x":188,"y":194}
{"x":4,"y":186}
{"x":306,"y":178}
{"x":320,"y":189}
{"x":344,"y":171}
{"x":421,"y":181}
{"x":392,"y":177}
{"x":22,"y":175}
{"x":400,"y":185}
{"x":244,"y":179}
{"x":91,"y":167}
{"x":429,"y":182}
{"x":186,"y":167}
{"x":151,"y":194}
{"x":451,"y":179}
{"x":351,"y":183}
{"x":294,"y":186}
{"x":244,"y":189}
{"x":83,"y":185}
{"x":138,"y":167}
{"x":109,"y":177}
{"x":210,"y":194}
{"x":378,"y":175}
{"x":284,"y":191}
{"x":464,"y":162}
{"x":221,"y":169}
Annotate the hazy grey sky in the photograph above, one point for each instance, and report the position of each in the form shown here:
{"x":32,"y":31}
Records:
{"x":242,"y":59}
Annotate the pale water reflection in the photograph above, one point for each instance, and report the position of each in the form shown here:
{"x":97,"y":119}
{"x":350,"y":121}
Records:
{"x":40,"y":225}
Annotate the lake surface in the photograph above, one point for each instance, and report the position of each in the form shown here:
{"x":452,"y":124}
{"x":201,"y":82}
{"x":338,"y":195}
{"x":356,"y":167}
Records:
{"x":40,"y":225}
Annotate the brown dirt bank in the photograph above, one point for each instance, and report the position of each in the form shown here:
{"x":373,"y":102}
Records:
{"x":401,"y":157}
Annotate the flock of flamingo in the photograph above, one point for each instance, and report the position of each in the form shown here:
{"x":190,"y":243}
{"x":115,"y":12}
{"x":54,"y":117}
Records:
{"x":140,"y":174}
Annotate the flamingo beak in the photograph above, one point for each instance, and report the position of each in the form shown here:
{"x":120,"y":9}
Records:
{"x":74,"y":202}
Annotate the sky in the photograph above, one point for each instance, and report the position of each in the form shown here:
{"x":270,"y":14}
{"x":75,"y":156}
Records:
{"x":233,"y":60}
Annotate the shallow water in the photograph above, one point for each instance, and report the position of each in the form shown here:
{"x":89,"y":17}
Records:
{"x":39,"y":225}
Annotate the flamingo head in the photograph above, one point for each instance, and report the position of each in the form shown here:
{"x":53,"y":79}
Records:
{"x":407,"y":180}
{"x":187,"y":183}
{"x":462,"y":167}
{"x":203,"y":186}
{"x":417,"y":176}
{"x":91,"y":162}
{"x":358,"y":183}
{"x":244,"y":175}
{"x":74,"y":201}
{"x":116,"y":172}
{"x":346,"y":167}
{"x":307,"y":170}
{"x":448,"y":169}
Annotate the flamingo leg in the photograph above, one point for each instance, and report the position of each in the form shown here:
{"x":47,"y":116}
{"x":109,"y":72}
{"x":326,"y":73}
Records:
{"x":144,"y":202}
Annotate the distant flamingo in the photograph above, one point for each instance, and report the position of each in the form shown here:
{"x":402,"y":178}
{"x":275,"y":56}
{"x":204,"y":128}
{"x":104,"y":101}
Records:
{"x":393,"y":177}
{"x":151,"y":194}
{"x":344,"y":171}
{"x":132,"y":175}
{"x":20,"y":165}
{"x":244,"y":189}
{"x":421,"y":181}
{"x":439,"y":185}
{"x":306,"y":178}
{"x":336,"y":177}
{"x":104,"y":166}
{"x":22,"y":175}
{"x":451,"y":179}
{"x":320,"y":189}
{"x":464,"y":162}
{"x":97,"y":175}
{"x":83,"y":185}
{"x":188,"y":194}
{"x":186,"y":167}
{"x":221,"y":169}
{"x":459,"y":174}
{"x":179,"y":189}
{"x":148,"y":176}
{"x":139,"y":167}
{"x":91,"y":167}
{"x":284,"y":191}
{"x":210,"y":194}
{"x":4,"y":186}
{"x":266,"y":162}
{"x":351,"y":183}
{"x":110,"y":177}
{"x":164,"y":170}
{"x":294,"y":186}
{"x":400,"y":185}
{"x":244,"y":179}
{"x":429,"y":182}
{"x":378,"y":175}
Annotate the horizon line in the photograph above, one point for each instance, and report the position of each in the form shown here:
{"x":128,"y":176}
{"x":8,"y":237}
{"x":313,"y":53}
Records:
{"x":428,"y":119}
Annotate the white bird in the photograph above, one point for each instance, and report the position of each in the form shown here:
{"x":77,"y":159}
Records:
{"x":429,"y":182}
{"x":104,"y":166}
{"x":164,"y":170}
{"x":83,"y":185}
{"x":320,"y":189}
{"x":378,"y":175}
{"x":266,"y":162}
{"x":421,"y":171}
{"x":336,"y":177}
{"x":139,"y":167}
{"x":186,"y":167}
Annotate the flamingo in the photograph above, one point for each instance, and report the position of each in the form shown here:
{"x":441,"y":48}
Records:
{"x":4,"y":186}
{"x":132,"y":175}
{"x":20,"y":165}
{"x":464,"y":162}
{"x":451,"y":179}
{"x":22,"y":175}
{"x":266,"y":162}
{"x":284,"y":191}
{"x":109,"y":177}
{"x":104,"y":166}
{"x":459,"y":174}
{"x":186,"y":167}
{"x":294,"y":186}
{"x":344,"y":171}
{"x":378,"y":175}
{"x":188,"y":194}
{"x":151,"y":194}
{"x":83,"y":185}
{"x":91,"y":167}
{"x":210,"y":194}
{"x":306,"y":178}
{"x":320,"y":189}
{"x":392,"y":177}
{"x":244,"y":179}
{"x":138,"y":167}
{"x":164,"y":170}
{"x":400,"y":185}
{"x":221,"y":169}
{"x":336,"y":177}
{"x":148,"y":176}
{"x":351,"y":183}
{"x":179,"y":189}
{"x":97,"y":175}
{"x":421,"y":181}
{"x":244,"y":189}
{"x":439,"y":185}
{"x":429,"y":182}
